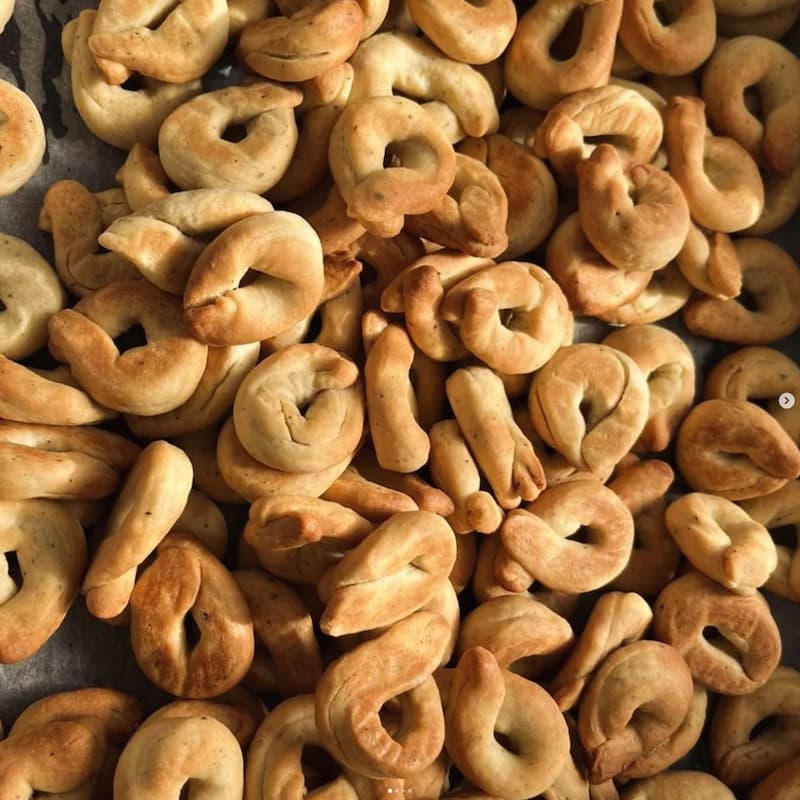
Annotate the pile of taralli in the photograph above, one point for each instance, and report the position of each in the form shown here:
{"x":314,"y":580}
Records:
{"x":313,"y":293}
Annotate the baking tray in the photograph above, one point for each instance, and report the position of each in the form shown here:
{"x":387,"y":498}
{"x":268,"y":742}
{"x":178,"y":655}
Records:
{"x":84,"y":651}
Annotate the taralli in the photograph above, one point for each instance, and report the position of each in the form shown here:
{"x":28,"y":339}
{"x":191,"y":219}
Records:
{"x":194,"y":152}
{"x":201,"y":448}
{"x":538,"y":538}
{"x":174,"y":43}
{"x":771,"y":277}
{"x":395,"y":571}
{"x":735,"y":449}
{"x":642,"y":227}
{"x":486,"y":699}
{"x":163,"y":239}
{"x":708,"y":260}
{"x":473,"y":34}
{"x":743,"y":756}
{"x":318,"y":36}
{"x":773,"y":24}
{"x":6,"y":11}
{"x":504,"y":454}
{"x":155,"y":494}
{"x":186,"y":579}
{"x":643,"y":486}
{"x":722,"y":541}
{"x":350,"y":695}
{"x":273,"y":429}
{"x":780,"y":784}
{"x":753,"y":62}
{"x":617,"y":619}
{"x":720,"y":180}
{"x":632,"y":123}
{"x":142,"y":177}
{"x":781,"y":201}
{"x":745,"y":647}
{"x":61,"y":463}
{"x":30,"y":293}
{"x":590,"y":403}
{"x":646,"y":677}
{"x":50,"y":548}
{"x":540,"y":78}
{"x":676,"y":47}
{"x":74,"y":218}
{"x":540,"y":320}
{"x":150,"y":379}
{"x":284,"y":252}
{"x":520,"y":632}
{"x":774,"y":511}
{"x":668,"y":366}
{"x":670,"y":785}
{"x":22,"y":136}
{"x":118,"y":116}
{"x":379,"y":197}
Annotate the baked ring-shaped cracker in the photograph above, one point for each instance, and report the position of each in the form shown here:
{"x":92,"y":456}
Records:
{"x":735,"y":449}
{"x":152,"y":499}
{"x":195,"y":154}
{"x":22,"y":136}
{"x":743,"y":647}
{"x":684,"y":783}
{"x":539,"y":79}
{"x":186,"y":579}
{"x":30,"y":293}
{"x":273,"y":429}
{"x":285,"y":252}
{"x":709,"y":262}
{"x":50,"y":548}
{"x":115,"y":115}
{"x":781,"y":200}
{"x":779,"y":785}
{"x":6,"y":12}
{"x":142,"y":177}
{"x":152,"y":379}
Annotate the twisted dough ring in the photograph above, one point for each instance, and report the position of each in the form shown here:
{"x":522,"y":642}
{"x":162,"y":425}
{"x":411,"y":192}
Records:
{"x":147,"y":380}
{"x":633,"y":124}
{"x":634,"y":703}
{"x":462,"y":99}
{"x":484,"y":699}
{"x":115,"y":115}
{"x":194,"y":154}
{"x":284,"y":249}
{"x":190,"y":36}
{"x":267,"y":414}
{"x":740,"y":754}
{"x":780,"y":784}
{"x":637,"y":223}
{"x":671,"y":785}
{"x":538,"y":79}
{"x":151,"y":501}
{"x":61,"y":463}
{"x":720,"y":180}
{"x":311,"y":38}
{"x":396,"y":570}
{"x":538,"y":538}
{"x":30,"y":293}
{"x":776,"y":510}
{"x":590,"y":283}
{"x":74,"y":217}
{"x":612,"y":388}
{"x":722,"y":541}
{"x":466,"y":32}
{"x":674,"y":48}
{"x":540,"y":323}
{"x":186,"y":579}
{"x":772,"y":278}
{"x":709,"y":262}
{"x":735,"y":449}
{"x":529,"y":187}
{"x":379,"y":197}
{"x":669,"y":368}
{"x":51,"y":551}
{"x":22,"y":137}
{"x":142,"y":177}
{"x":617,"y":619}
{"x":163,"y":239}
{"x":351,"y":694}
{"x":503,"y":452}
{"x":781,"y":200}
{"x":753,"y":61}
{"x":747,"y":647}
{"x":643,"y":487}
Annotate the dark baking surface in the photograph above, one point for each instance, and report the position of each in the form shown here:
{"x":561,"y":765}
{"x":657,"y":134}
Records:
{"x":85,"y":651}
